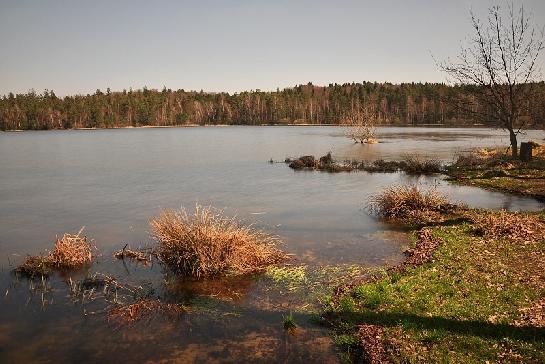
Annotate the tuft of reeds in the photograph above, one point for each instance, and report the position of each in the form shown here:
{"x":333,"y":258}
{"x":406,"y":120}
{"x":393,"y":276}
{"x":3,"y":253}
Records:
{"x":206,"y":243}
{"x":69,"y":252}
{"x":408,"y":202}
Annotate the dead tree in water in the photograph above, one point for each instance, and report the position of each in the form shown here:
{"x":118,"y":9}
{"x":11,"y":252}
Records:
{"x":362,"y":124}
{"x":499,"y":67}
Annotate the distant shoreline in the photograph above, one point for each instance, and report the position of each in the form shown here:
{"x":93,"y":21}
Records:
{"x":256,"y":125}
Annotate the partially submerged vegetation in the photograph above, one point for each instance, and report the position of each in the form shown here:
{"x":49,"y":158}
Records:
{"x":410,"y":164}
{"x":206,"y":243}
{"x":324,"y":163}
{"x":69,"y":252}
{"x":471,"y":290}
{"x":410,"y":202}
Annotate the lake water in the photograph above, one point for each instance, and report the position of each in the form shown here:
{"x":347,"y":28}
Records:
{"x":113,"y":181}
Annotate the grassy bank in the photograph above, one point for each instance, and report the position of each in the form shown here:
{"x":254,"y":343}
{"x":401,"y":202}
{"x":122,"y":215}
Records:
{"x":494,"y":169}
{"x":478,"y":296}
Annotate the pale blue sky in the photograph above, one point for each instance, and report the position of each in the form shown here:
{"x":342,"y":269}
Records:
{"x":76,"y":46}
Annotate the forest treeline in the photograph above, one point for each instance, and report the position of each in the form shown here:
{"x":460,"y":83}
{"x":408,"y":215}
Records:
{"x":394,"y":104}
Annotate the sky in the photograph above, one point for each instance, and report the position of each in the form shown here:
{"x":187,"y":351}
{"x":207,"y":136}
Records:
{"x":76,"y":47}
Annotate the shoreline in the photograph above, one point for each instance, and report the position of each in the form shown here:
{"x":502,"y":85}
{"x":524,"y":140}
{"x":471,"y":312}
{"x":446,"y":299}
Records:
{"x":429,"y":310}
{"x":439,"y":126}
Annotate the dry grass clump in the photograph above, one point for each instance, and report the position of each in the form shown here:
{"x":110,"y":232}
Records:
{"x":141,"y":309}
{"x":409,"y":202}
{"x":517,"y":227}
{"x":206,"y":243}
{"x":69,"y":252}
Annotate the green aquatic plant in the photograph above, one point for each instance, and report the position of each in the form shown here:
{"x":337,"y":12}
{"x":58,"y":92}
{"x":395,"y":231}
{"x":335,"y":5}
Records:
{"x":288,"y":321}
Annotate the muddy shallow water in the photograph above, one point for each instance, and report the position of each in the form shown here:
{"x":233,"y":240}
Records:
{"x":113,"y":181}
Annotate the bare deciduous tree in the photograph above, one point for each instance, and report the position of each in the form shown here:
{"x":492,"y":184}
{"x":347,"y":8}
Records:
{"x":361,"y":124}
{"x":500,"y":61}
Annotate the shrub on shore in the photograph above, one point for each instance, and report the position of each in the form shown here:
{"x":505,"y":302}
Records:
{"x":70,"y":252}
{"x":206,"y":243}
{"x":409,"y":202}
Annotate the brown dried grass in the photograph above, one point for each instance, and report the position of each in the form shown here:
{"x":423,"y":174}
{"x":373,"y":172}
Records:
{"x":70,"y":251}
{"x":409,"y":202}
{"x":205,"y":243}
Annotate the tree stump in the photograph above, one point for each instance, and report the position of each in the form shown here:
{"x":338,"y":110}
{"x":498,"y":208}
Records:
{"x":525,"y":152}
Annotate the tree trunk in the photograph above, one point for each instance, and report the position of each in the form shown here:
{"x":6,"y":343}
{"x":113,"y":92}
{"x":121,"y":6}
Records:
{"x":514,"y":145}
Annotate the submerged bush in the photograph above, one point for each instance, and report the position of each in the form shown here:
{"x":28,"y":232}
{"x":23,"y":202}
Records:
{"x":206,"y":243}
{"x":408,"y":202}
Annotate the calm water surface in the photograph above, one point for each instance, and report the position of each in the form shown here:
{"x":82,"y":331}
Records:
{"x":113,"y":181}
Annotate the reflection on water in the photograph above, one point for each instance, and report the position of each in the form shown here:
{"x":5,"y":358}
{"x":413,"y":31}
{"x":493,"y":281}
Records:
{"x":113,"y":181}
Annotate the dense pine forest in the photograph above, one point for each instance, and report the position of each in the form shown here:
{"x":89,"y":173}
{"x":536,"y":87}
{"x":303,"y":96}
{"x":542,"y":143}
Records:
{"x":403,"y":104}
